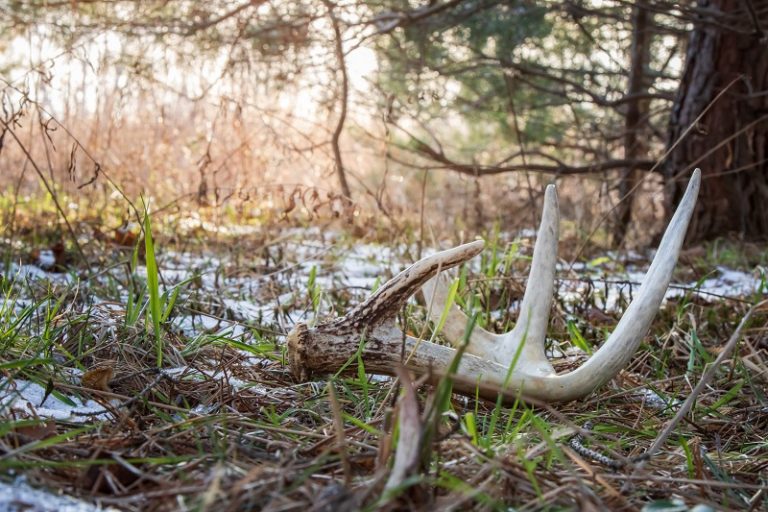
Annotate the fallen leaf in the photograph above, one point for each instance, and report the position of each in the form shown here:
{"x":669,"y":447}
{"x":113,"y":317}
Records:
{"x":37,"y":431}
{"x":597,"y":317}
{"x":125,"y":237}
{"x":98,"y":378}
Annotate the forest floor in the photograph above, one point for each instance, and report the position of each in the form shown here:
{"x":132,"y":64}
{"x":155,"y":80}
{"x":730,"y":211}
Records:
{"x":161,"y":383}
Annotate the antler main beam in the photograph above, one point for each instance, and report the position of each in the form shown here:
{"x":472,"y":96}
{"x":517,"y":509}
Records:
{"x":486,"y":364}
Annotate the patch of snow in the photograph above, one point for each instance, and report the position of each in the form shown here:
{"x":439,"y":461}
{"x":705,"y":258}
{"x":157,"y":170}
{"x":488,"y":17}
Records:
{"x":261,"y":293}
{"x":20,"y":497}
{"x":28,"y":398}
{"x":189,"y":372}
{"x":557,"y":354}
{"x":46,"y":259}
{"x":731,"y":283}
{"x":655,"y":401}
{"x":203,"y":410}
{"x":248,"y":310}
{"x":193,"y":326}
{"x":613,"y":289}
{"x":16,"y":303}
{"x":34,"y":272}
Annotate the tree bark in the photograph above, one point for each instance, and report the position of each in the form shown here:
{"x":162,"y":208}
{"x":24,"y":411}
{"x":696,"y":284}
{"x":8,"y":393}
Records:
{"x":635,"y":119}
{"x":727,"y":56}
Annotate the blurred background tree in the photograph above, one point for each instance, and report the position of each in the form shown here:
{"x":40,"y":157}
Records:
{"x":620,"y":99}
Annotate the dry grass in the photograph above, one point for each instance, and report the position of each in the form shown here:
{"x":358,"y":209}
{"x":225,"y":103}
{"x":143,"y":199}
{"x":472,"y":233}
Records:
{"x":230,"y":428}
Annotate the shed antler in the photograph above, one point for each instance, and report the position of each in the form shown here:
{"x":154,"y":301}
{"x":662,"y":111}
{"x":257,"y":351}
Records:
{"x":486,"y":364}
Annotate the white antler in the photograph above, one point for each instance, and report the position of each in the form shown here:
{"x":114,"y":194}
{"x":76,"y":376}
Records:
{"x":486,"y":363}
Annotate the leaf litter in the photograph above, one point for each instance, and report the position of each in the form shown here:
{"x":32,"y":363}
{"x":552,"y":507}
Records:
{"x":225,"y":395}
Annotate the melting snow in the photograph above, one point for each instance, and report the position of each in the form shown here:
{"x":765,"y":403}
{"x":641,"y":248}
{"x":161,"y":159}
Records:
{"x":731,"y":283}
{"x":19,"y":496}
{"x":25,"y":272}
{"x":28,"y":398}
{"x":246,"y":297}
{"x":46,"y":259}
{"x":655,"y":401}
{"x":615,"y":289}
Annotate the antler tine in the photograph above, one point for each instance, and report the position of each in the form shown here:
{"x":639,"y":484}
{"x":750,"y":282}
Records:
{"x":392,"y":295}
{"x":531,"y":327}
{"x":530,"y":331}
{"x":634,"y":324}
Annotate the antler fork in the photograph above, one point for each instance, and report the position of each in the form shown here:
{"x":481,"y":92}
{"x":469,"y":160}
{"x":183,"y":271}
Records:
{"x":487,"y":362}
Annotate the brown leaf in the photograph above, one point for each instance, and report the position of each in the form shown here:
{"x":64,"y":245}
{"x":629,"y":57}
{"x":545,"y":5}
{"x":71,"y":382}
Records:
{"x":597,"y":317}
{"x":36,"y":432}
{"x":98,"y":378}
{"x":124,"y":237}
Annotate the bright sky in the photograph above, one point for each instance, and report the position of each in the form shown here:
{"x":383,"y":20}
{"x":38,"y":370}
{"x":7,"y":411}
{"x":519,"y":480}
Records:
{"x":92,"y":68}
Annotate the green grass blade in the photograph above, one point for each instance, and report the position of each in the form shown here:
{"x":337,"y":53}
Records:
{"x":153,"y":283}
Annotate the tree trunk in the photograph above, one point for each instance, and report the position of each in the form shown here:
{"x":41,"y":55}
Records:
{"x":728,"y":49}
{"x":342,"y":63}
{"x":635,"y":118}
